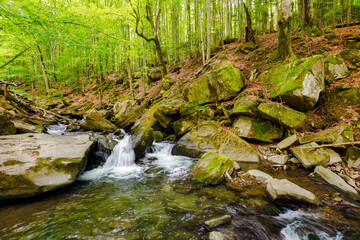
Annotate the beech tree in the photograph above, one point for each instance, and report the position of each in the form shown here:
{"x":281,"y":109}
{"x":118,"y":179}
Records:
{"x":284,"y":50}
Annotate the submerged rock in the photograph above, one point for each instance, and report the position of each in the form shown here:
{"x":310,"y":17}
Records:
{"x":95,"y":122}
{"x":298,"y":83}
{"x":211,"y":168}
{"x":215,"y":222}
{"x":283,"y":189}
{"x":31,"y":164}
{"x":220,"y":84}
{"x":335,"y":180}
{"x":257,"y":129}
{"x":282,"y":115}
{"x":208,"y":136}
{"x":6,"y":126}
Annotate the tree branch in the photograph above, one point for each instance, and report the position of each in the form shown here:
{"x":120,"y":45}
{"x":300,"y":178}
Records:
{"x":18,"y":55}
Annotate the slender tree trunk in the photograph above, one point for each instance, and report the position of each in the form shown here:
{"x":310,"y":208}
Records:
{"x":31,"y":77}
{"x":130,"y":76}
{"x":43,"y":68}
{"x":202,"y":34}
{"x":301,"y":12}
{"x":208,"y":36}
{"x":227,"y":20}
{"x":284,"y":50}
{"x":271,"y":18}
{"x":348,"y":12}
{"x":334,"y":14}
{"x":188,"y":7}
{"x":341,"y":11}
{"x":249,"y":37}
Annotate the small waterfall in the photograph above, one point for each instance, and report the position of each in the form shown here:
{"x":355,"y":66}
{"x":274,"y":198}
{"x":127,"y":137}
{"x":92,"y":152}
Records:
{"x":58,"y":129}
{"x":122,"y":155}
{"x":120,"y":163}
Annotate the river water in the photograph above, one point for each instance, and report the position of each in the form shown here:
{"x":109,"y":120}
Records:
{"x":155,"y":199}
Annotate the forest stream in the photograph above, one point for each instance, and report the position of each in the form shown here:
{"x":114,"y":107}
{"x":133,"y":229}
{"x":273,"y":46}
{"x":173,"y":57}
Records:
{"x":154,"y":199}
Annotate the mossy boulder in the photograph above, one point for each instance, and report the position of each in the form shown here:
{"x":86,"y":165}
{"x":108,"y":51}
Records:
{"x":176,"y":67}
{"x":353,"y":45}
{"x":335,"y":68}
{"x":340,"y":134}
{"x":6,"y":126}
{"x":95,"y":122}
{"x":185,"y":124}
{"x":312,"y":157}
{"x":352,"y":157}
{"x":208,"y":136}
{"x":126,"y":113}
{"x":257,"y":129}
{"x":34,"y":163}
{"x":158,"y":136}
{"x":351,"y":55}
{"x":147,"y":120}
{"x":220,"y":84}
{"x":24,"y":127}
{"x":298,"y":83}
{"x":155,"y":74}
{"x":246,"y":106}
{"x":248,"y":47}
{"x":141,"y":141}
{"x":211,"y":168}
{"x":282,"y":115}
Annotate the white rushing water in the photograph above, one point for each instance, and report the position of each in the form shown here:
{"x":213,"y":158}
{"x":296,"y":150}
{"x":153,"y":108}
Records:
{"x":299,"y":220}
{"x":56,"y":129}
{"x":121,"y":163}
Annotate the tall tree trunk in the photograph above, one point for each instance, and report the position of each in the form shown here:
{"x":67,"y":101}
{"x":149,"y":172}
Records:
{"x":202,"y":34}
{"x":348,"y":12}
{"x":341,"y":11}
{"x":208,"y":36}
{"x":334,"y":14}
{"x":309,"y":24}
{"x":188,"y":7}
{"x":130,"y":76}
{"x":271,"y":18}
{"x":227,"y":20}
{"x":301,"y":12}
{"x":249,"y":37}
{"x":284,"y":50}
{"x":43,"y":69}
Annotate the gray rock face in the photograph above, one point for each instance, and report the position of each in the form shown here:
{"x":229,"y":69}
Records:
{"x":141,"y":141}
{"x":258,"y":174}
{"x":298,"y":83}
{"x":283,"y":189}
{"x":340,"y":134}
{"x":126,"y":113}
{"x":279,"y":159}
{"x":287,"y":142}
{"x":31,"y":164}
{"x":24,"y":127}
{"x":335,"y":180}
{"x":208,"y":136}
{"x":335,"y":68}
{"x":215,"y":222}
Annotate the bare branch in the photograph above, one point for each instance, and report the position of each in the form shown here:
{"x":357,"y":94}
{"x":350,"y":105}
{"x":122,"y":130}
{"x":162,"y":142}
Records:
{"x":18,"y":55}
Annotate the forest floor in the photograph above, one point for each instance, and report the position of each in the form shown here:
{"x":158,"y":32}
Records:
{"x":251,"y":64}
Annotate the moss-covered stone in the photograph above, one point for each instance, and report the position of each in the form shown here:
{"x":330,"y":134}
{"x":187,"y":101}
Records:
{"x":208,"y":136}
{"x":95,"y":122}
{"x":352,"y":157}
{"x":257,"y":129}
{"x":246,"y":106}
{"x":311,"y":157}
{"x":335,"y":68}
{"x":298,"y":83}
{"x":126,"y":113}
{"x":210,"y":169}
{"x":142,"y":140}
{"x":351,"y":55}
{"x":282,"y":115}
{"x":147,"y":120}
{"x":340,"y":134}
{"x":220,"y":84}
{"x":158,"y":136}
{"x":155,"y":74}
{"x":185,"y":124}
{"x":6,"y":126}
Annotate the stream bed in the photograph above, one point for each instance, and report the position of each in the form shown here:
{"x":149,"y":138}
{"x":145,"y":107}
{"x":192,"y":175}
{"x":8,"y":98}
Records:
{"x":155,"y":199}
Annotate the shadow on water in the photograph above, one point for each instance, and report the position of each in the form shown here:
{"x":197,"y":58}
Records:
{"x":156,"y":199}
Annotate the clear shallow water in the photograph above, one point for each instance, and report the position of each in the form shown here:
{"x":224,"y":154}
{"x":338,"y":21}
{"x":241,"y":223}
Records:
{"x":155,"y":199}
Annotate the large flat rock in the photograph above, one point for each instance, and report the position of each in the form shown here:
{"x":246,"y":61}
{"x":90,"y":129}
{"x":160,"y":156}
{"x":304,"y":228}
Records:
{"x":31,"y":164}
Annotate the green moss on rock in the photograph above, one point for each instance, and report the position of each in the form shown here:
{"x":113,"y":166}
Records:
{"x":211,"y":168}
{"x":282,"y":115}
{"x":246,"y":105}
{"x":6,"y":126}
